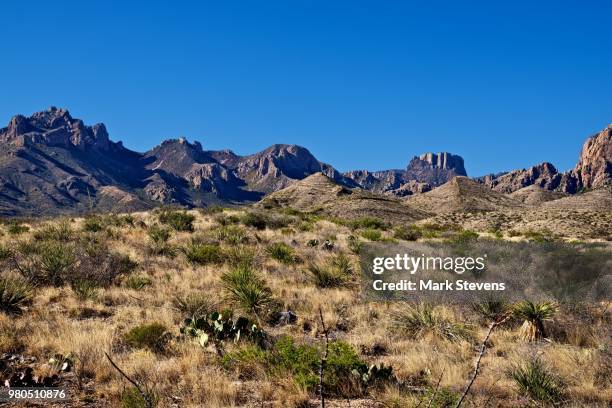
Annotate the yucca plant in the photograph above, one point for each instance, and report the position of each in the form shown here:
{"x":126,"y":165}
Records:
{"x":15,"y":293}
{"x":281,"y":252}
{"x":534,"y":316}
{"x":417,"y":321}
{"x":247,"y":290}
{"x":535,"y":379}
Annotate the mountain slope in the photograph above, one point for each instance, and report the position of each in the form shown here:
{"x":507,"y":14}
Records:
{"x":319,"y":193}
{"x":462,"y":194}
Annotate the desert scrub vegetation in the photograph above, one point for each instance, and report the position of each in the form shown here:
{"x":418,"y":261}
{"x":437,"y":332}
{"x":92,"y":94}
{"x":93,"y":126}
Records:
{"x":152,"y":336}
{"x":202,"y":254}
{"x":535,"y":379}
{"x":247,"y":290}
{"x":177,"y":220}
{"x":420,"y":320}
{"x":15,"y":293}
{"x":282,"y":253}
{"x":245,"y":331}
{"x":336,"y":272}
{"x":534,"y":315}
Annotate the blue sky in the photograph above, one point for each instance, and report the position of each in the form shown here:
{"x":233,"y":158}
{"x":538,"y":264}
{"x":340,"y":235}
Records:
{"x":362,"y":84}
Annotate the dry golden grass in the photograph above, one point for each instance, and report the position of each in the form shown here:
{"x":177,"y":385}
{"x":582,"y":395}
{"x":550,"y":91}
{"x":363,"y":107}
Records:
{"x":186,"y":374}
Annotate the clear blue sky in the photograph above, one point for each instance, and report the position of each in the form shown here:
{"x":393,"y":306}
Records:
{"x":362,"y":84}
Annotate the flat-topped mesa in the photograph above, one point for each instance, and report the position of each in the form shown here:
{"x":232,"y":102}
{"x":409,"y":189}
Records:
{"x":442,"y":160}
{"x":55,"y":127}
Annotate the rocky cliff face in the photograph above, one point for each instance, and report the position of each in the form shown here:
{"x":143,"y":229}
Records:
{"x":55,"y":127}
{"x":422,"y":174}
{"x":594,"y":170}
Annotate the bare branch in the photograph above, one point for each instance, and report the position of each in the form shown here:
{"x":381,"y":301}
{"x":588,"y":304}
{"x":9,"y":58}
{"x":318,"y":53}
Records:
{"x":143,"y":394}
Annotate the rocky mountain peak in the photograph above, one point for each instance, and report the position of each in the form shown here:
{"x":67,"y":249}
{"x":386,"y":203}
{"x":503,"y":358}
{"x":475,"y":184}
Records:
{"x":594,"y":168}
{"x":55,"y":127}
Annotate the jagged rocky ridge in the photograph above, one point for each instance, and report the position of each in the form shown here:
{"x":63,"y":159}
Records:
{"x":593,"y":170}
{"x":52,"y":163}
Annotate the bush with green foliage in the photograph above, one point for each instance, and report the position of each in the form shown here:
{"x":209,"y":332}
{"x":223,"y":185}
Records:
{"x":15,"y":293}
{"x":417,"y":321}
{"x":410,"y":233}
{"x":536,"y":380}
{"x":84,"y":289}
{"x":203,"y":254}
{"x":152,"y":336}
{"x":463,"y":237}
{"x":336,"y":272}
{"x":371,"y":234}
{"x":61,"y":232}
{"x":15,"y":228}
{"x":345,"y":374}
{"x":354,"y":244}
{"x":261,"y":220}
{"x":92,"y":224}
{"x":368,"y":223}
{"x":231,"y":234}
{"x":137,"y":281}
{"x":282,"y":253}
{"x":247,"y":290}
{"x":178,"y":220}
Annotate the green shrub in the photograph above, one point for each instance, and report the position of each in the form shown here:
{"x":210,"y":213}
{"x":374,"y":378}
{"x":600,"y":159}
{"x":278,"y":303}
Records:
{"x":337,"y":272}
{"x":261,"y":220}
{"x":535,"y":380}
{"x":282,"y":253}
{"x":15,"y":293}
{"x":152,"y":336}
{"x":247,"y":361}
{"x":203,"y":254}
{"x":368,"y":223}
{"x":544,"y":235}
{"x":422,"y":319}
{"x":132,"y":398}
{"x":247,"y":290}
{"x":463,"y":237}
{"x":55,"y":262}
{"x":15,"y":228}
{"x":178,"y":220}
{"x":137,"y":282}
{"x":84,"y":289}
{"x":61,"y":232}
{"x":159,"y":235}
{"x":231,"y":234}
{"x":219,"y":327}
{"x":92,"y":224}
{"x":240,"y":255}
{"x":372,"y":234}
{"x":345,"y":374}
{"x":410,"y":233}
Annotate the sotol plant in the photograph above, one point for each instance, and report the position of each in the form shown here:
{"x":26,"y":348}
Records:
{"x":247,"y":290}
{"x":15,"y":293}
{"x":535,"y":380}
{"x":534,"y":316}
{"x":417,"y":321}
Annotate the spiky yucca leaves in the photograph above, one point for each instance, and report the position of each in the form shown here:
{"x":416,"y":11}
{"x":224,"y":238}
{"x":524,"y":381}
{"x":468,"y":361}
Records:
{"x":535,"y":380}
{"x":247,"y":290}
{"x":534,"y":316}
{"x":417,"y":321}
{"x":15,"y":293}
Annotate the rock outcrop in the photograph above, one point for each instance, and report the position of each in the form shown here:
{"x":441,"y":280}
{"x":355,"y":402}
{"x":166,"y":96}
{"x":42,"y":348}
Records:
{"x":594,"y":168}
{"x":423,"y":173}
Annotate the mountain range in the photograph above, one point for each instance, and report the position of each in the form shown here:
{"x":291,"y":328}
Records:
{"x":52,"y":163}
